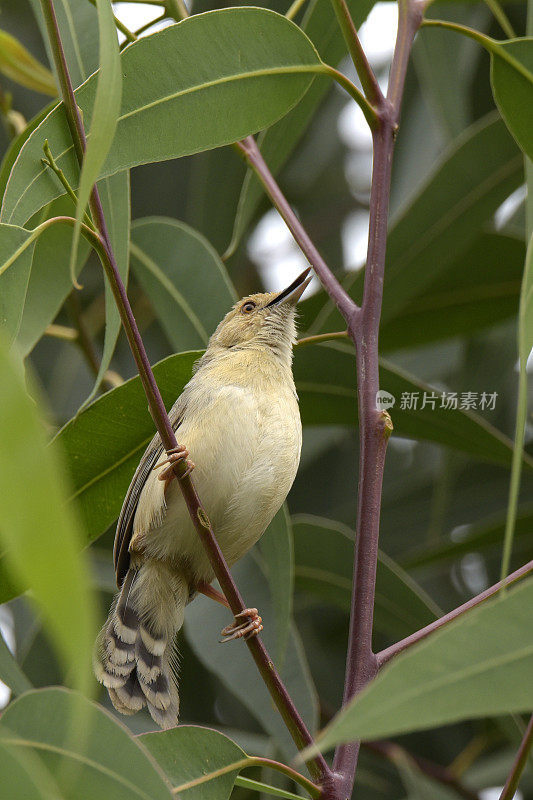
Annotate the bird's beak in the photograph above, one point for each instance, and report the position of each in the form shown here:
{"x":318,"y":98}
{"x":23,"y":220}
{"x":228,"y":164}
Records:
{"x":292,"y":293}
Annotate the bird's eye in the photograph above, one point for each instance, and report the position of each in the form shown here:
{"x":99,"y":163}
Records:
{"x":248,"y":307}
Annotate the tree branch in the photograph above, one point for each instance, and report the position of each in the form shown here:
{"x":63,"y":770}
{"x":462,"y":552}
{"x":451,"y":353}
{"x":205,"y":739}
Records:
{"x":364,"y":70}
{"x":317,"y":766}
{"x":254,"y":158}
{"x":374,"y":426}
{"x":414,"y":638}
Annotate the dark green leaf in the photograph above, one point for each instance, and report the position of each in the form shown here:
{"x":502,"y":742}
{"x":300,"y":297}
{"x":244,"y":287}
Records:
{"x":324,"y":552}
{"x":203,"y":623}
{"x":189,"y":752}
{"x":475,"y":175}
{"x":102,"y":760}
{"x":278,"y":552}
{"x":184,"y":278}
{"x":478,"y":665}
{"x":16,"y":254}
{"x":248,"y":59}
{"x":512,"y":84}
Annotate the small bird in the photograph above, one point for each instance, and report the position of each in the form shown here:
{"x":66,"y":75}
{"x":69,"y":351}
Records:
{"x":238,"y":419}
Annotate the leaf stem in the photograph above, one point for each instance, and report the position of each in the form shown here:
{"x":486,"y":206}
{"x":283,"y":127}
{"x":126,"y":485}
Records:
{"x":414,"y":638}
{"x":374,"y":426}
{"x":130,"y":36}
{"x":252,"y":761}
{"x":511,"y":784}
{"x":177,"y":9}
{"x":368,"y":110}
{"x":368,"y":80}
{"x":296,"y":726}
{"x":50,"y":162}
{"x":294,"y":8}
{"x":322,"y":337}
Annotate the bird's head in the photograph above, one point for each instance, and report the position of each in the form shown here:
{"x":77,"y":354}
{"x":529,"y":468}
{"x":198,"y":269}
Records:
{"x":262,"y":321}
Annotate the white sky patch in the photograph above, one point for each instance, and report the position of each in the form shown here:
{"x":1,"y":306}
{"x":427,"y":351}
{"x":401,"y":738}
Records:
{"x":135,"y":15}
{"x":378,"y":34}
{"x":509,"y":207}
{"x":354,"y":236}
{"x":494,"y":793}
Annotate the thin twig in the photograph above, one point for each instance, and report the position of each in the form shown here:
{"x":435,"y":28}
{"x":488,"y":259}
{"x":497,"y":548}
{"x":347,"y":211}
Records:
{"x":322,"y":337}
{"x":317,"y":766}
{"x":501,"y":17}
{"x":130,"y":36}
{"x":366,"y":74}
{"x":254,"y":158}
{"x":414,"y":638}
{"x":511,"y":784}
{"x":294,"y":8}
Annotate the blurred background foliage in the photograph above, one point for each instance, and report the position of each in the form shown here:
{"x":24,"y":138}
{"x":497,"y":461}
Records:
{"x":455,"y":260}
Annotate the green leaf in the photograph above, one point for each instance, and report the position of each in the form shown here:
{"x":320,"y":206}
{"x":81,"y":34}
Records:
{"x":10,"y":672}
{"x":49,"y":282}
{"x":325,"y":381}
{"x":479,"y":665}
{"x":39,"y":532}
{"x":11,"y":154}
{"x":16,"y":254}
{"x":475,"y":175}
{"x":525,"y":344}
{"x":203,"y":623}
{"x":189,"y":752}
{"x":248,"y":59}
{"x":324,"y":552}
{"x":104,"y":116}
{"x":20,"y":66}
{"x":184,"y":278}
{"x":279,"y":141}
{"x":104,"y":442}
{"x":278,"y":552}
{"x":418,"y":785}
{"x":265,"y":788}
{"x":512,"y":85}
{"x":23,"y":776}
{"x":482,"y":537}
{"x":108,"y":761}
{"x":462,"y":300}
{"x":115,"y":197}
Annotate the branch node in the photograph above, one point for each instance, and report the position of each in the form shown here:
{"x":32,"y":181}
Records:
{"x":203,"y":518}
{"x":385,"y":425}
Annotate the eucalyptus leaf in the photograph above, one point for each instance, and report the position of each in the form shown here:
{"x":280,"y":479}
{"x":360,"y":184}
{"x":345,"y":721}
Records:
{"x":476,"y":666}
{"x":184,"y":278}
{"x":189,"y":752}
{"x":324,"y":553}
{"x":251,"y":60}
{"x":278,"y":553}
{"x":103,"y":760}
{"x":512,"y":84}
{"x":39,"y":532}
{"x":16,"y":255}
{"x":20,"y":66}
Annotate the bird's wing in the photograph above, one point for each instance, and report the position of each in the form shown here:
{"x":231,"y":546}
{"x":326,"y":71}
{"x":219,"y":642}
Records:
{"x":152,"y":454}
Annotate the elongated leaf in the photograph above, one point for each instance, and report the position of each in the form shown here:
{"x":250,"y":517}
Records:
{"x":479,"y":665}
{"x":49,"y":282}
{"x":19,"y":65}
{"x":418,"y":785}
{"x":104,"y":113}
{"x":203,"y":623}
{"x":108,"y":761}
{"x":278,"y":553}
{"x":184,"y":278}
{"x":23,"y":776}
{"x":250,"y":60}
{"x":484,"y":537}
{"x":11,"y":154}
{"x":39,"y":532}
{"x":115,"y":196}
{"x":512,"y":84}
{"x":16,"y":254}
{"x":189,"y":752}
{"x":10,"y":672}
{"x":279,"y":141}
{"x":473,"y":178}
{"x":478,"y":289}
{"x":324,"y":552}
{"x":325,"y":381}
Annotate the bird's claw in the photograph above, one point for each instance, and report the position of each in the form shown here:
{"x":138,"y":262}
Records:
{"x":174,"y":456}
{"x":251,"y":625}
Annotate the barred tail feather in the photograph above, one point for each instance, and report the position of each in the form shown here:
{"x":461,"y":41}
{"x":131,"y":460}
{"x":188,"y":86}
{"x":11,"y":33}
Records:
{"x":134,"y":654}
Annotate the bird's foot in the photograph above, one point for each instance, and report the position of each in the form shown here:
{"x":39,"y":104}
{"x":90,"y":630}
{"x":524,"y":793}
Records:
{"x":174,"y":456}
{"x":246,"y":624}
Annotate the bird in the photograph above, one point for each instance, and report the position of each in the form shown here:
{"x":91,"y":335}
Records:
{"x":239,"y":428}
